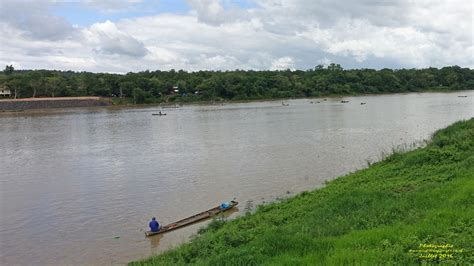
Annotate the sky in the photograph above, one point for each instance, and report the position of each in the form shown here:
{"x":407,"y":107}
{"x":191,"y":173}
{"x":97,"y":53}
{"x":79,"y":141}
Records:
{"x":120,"y":36}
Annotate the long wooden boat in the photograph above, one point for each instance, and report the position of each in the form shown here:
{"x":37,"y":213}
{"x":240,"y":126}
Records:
{"x":192,"y":219}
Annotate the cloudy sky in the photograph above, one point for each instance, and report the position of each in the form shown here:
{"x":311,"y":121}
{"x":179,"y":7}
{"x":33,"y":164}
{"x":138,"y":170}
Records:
{"x":134,"y":35}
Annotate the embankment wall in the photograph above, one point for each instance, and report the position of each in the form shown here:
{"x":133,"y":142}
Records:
{"x":58,"y":102}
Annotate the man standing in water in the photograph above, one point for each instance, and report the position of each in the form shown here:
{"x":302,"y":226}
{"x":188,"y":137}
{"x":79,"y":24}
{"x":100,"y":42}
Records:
{"x":154,"y":225}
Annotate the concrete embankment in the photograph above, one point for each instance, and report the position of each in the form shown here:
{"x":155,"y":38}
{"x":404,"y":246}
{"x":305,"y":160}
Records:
{"x":58,"y":102}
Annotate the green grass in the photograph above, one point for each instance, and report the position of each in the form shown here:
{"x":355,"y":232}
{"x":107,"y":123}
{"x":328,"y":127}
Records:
{"x":373,"y":216}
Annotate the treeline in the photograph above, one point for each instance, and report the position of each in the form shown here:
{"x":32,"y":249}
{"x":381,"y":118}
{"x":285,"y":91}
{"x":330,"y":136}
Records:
{"x":182,"y":86}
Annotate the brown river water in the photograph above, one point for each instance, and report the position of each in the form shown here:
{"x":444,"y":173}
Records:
{"x":78,"y":186}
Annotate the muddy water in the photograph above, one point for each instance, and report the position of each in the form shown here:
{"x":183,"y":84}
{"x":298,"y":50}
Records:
{"x":78,"y":186}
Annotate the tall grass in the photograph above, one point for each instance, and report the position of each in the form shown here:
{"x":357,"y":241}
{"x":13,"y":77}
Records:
{"x":373,"y":216}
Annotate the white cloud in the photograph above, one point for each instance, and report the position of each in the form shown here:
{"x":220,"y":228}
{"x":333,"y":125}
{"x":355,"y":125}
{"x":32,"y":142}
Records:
{"x":108,"y":39}
{"x":283,"y":63}
{"x":214,"y":13}
{"x":209,"y":11}
{"x":276,"y":34}
{"x":358,"y":39}
{"x":33,"y":20}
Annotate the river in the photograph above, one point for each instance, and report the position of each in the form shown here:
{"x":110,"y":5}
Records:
{"x":78,"y":186}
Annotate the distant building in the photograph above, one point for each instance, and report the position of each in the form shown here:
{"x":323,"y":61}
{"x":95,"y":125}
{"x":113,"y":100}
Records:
{"x":5,"y":92}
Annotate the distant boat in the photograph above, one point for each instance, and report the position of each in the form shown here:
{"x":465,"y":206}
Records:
{"x":462,"y":96}
{"x":344,"y":101}
{"x":160,"y":113}
{"x":192,"y":219}
{"x":362,"y":103}
{"x":285,"y":104}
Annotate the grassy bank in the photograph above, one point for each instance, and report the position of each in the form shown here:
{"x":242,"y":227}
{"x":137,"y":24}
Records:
{"x":384,"y":214}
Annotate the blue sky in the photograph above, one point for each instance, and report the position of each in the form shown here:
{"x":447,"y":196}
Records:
{"x":120,"y":36}
{"x":82,"y":14}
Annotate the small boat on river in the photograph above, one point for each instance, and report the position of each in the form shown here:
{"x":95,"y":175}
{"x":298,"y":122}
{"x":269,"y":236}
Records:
{"x":192,"y":219}
{"x":160,"y":114}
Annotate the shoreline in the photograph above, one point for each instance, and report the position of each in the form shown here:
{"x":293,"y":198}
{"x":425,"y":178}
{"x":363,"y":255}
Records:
{"x":108,"y":102}
{"x":51,"y":99}
{"x":26,"y":104}
{"x":384,"y":213}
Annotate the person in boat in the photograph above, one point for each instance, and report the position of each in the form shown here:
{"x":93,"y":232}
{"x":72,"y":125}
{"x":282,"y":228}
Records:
{"x":154,"y":225}
{"x":224,"y":205}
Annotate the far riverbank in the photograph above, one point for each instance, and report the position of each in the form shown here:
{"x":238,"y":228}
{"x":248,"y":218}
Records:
{"x":56,"y":102}
{"x":23,"y":104}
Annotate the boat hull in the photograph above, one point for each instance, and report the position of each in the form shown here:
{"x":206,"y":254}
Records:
{"x":192,"y":219}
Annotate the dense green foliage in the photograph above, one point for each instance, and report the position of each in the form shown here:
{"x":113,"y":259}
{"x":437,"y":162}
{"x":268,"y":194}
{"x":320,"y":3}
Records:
{"x":374,"y":216}
{"x":157,"y":86}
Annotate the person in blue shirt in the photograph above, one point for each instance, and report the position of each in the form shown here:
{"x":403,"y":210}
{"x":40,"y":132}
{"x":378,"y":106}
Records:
{"x":224,"y":205}
{"x":154,"y":225}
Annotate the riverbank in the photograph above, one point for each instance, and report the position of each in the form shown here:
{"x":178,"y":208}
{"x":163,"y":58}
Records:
{"x":171,"y":100}
{"x":315,"y":100}
{"x":409,"y":208}
{"x":56,"y":102}
{"x":22,"y":104}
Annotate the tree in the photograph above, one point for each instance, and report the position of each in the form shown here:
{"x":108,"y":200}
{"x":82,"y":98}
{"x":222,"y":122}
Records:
{"x":52,"y":84}
{"x":9,"y":69}
{"x":35,"y":82}
{"x":140,"y":96}
{"x":125,"y":88}
{"x":237,"y":84}
{"x":17,"y":84}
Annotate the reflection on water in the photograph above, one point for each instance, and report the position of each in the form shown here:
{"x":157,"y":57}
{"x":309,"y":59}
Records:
{"x":73,"y":180}
{"x":155,"y":241}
